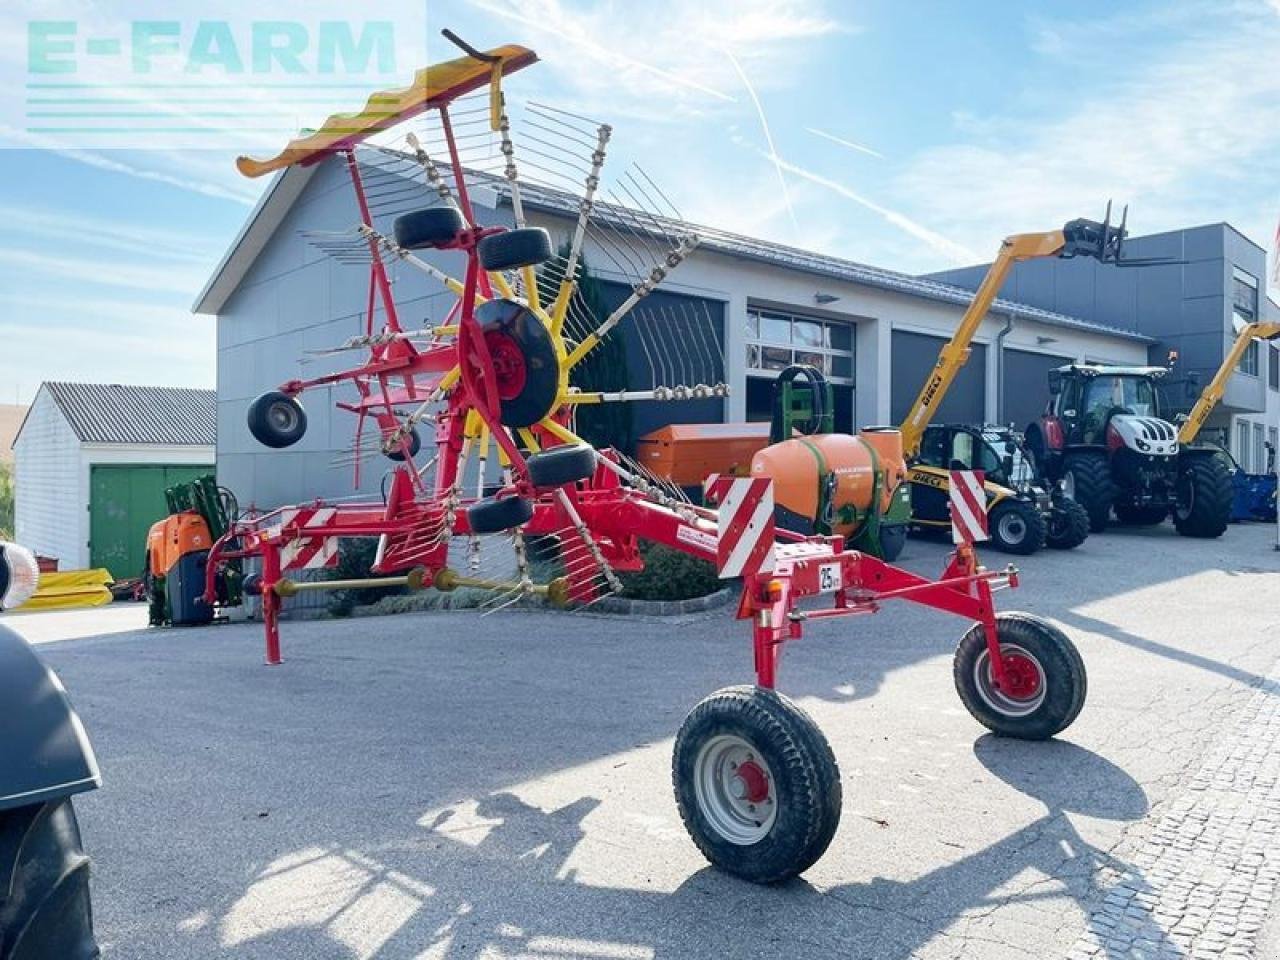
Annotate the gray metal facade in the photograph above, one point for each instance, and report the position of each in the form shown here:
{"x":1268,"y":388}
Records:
{"x":1026,"y":385}
{"x":1184,"y":306}
{"x":914,"y":355}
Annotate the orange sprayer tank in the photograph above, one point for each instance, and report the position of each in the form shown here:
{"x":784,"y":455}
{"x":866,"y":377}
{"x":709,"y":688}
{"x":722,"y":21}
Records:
{"x":174,"y":537}
{"x":842,"y":464}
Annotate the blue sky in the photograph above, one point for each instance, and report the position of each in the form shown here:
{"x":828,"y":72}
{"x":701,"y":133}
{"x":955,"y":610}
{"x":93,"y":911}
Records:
{"x":960,"y":123}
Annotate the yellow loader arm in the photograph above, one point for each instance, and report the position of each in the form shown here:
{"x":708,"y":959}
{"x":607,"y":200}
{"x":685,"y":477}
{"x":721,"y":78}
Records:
{"x":955,"y":352}
{"x":1211,"y":394}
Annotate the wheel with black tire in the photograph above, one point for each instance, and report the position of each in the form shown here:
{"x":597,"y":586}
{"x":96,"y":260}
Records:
{"x":432,"y":227}
{"x":495,"y":514}
{"x":561,"y":465}
{"x":893,"y":538}
{"x":756,"y":784}
{"x":513,"y":249}
{"x":277,"y":420}
{"x":1133,"y":515}
{"x":1204,"y":494}
{"x":1016,"y":526}
{"x":1068,"y":525}
{"x":1086,"y":479}
{"x":45,"y":911}
{"x":1045,"y":681}
{"x":525,"y":363}
{"x":396,"y":453}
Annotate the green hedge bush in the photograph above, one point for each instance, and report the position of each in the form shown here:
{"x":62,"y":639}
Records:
{"x":669,"y":574}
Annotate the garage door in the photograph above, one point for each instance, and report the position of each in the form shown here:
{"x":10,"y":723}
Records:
{"x":124,"y":501}
{"x":914,"y":357}
{"x":1026,"y":386}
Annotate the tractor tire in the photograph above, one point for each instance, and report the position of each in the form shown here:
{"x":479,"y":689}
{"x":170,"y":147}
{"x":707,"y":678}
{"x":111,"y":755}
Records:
{"x":1068,"y":525}
{"x":1087,"y":475}
{"x":44,"y":885}
{"x":277,"y":420}
{"x":561,"y":465}
{"x":756,"y":784}
{"x":432,"y":227}
{"x":495,"y":514}
{"x":1132,"y":515}
{"x":1016,"y":526}
{"x":1049,"y":678}
{"x":397,"y":452}
{"x":513,"y":249}
{"x":1204,"y":497}
{"x":893,"y":537}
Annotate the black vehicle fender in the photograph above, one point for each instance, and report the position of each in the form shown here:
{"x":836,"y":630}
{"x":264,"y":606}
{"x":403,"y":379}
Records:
{"x":44,"y":754}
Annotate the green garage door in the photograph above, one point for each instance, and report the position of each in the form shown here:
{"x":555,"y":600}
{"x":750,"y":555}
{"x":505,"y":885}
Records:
{"x":124,"y":501}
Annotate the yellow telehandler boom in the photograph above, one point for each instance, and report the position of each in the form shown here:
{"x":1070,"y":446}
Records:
{"x":1101,"y":241}
{"x":1209,"y":397}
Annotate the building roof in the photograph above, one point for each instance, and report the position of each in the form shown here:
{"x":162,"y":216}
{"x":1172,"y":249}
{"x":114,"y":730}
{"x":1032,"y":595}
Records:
{"x":123,"y":414}
{"x":288,"y":185}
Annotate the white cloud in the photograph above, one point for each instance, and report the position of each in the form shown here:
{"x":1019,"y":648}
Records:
{"x":160,"y":278}
{"x":1189,"y":137}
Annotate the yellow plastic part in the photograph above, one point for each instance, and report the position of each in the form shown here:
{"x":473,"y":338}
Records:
{"x":71,"y":589}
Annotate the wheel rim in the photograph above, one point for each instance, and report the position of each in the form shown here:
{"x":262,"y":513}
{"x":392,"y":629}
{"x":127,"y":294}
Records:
{"x":1025,"y":686}
{"x":1012,"y":528}
{"x":508,"y":364}
{"x":282,"y":416}
{"x":735,"y":790}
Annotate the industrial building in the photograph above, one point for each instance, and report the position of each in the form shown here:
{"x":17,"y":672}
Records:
{"x":874,"y":331}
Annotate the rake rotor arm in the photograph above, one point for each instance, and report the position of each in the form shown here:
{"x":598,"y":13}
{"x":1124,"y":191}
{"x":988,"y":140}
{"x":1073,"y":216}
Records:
{"x":1212,"y":393}
{"x":955,"y":352}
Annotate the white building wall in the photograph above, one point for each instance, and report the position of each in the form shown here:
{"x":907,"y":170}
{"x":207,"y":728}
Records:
{"x":47,"y":508}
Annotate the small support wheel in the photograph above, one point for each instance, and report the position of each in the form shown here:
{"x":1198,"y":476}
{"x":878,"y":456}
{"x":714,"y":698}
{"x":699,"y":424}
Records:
{"x":495,"y":514}
{"x":1068,"y":525}
{"x":1045,"y":681}
{"x":432,"y":227}
{"x":277,"y":420}
{"x":756,"y":783}
{"x":396,"y":453}
{"x":1016,"y":527}
{"x":561,"y":465}
{"x":513,"y":249}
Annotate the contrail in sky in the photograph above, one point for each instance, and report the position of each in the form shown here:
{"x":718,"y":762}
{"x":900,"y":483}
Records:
{"x":768,"y":137}
{"x":843,"y":142}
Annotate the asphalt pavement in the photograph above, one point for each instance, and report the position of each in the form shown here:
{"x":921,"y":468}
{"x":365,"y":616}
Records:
{"x":453,"y":785}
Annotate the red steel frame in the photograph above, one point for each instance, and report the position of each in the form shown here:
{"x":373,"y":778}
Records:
{"x":617,"y":516}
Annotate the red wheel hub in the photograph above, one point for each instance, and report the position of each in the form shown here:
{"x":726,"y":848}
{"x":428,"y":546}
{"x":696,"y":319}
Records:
{"x":1021,"y":676}
{"x":755,"y":785}
{"x":508,"y":363}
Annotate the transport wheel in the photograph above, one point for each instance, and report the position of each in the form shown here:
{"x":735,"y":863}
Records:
{"x":44,"y":885}
{"x":495,"y":514}
{"x":1044,"y":671}
{"x":1204,"y":497}
{"x":1068,"y":525}
{"x":1016,"y":527}
{"x":561,"y":465}
{"x":1086,"y":479}
{"x":396,"y":453}
{"x":514,"y":248}
{"x":756,"y":783}
{"x":277,"y":420}
{"x":525,"y":363}
{"x":893,"y":537}
{"x":433,"y":227}
{"x":1132,"y":515}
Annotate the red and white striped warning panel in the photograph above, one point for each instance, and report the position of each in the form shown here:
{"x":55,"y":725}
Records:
{"x":308,"y":553}
{"x":968,"y":506}
{"x":745,"y":521}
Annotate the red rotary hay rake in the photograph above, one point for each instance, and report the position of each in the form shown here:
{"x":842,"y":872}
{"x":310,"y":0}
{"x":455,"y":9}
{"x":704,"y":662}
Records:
{"x":756,"y":783}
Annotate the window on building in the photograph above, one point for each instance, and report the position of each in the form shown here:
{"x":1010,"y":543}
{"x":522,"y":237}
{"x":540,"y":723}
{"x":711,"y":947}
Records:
{"x":1273,"y":438}
{"x":1244,"y":295}
{"x":1249,"y":359}
{"x":776,"y":340}
{"x":1273,"y":366}
{"x":1259,"y":450}
{"x":1242,"y":446}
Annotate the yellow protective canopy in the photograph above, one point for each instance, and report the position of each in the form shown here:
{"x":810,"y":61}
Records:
{"x":69,"y":589}
{"x":432,"y":86}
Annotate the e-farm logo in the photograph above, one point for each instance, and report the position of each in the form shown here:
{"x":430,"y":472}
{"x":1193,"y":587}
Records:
{"x":142,"y":74}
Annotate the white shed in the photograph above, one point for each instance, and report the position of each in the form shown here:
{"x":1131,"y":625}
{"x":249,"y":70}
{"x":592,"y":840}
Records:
{"x":92,"y":462}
